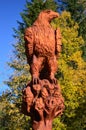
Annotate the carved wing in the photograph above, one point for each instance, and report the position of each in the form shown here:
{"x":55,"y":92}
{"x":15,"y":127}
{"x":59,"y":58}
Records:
{"x":58,"y":42}
{"x":28,"y":37}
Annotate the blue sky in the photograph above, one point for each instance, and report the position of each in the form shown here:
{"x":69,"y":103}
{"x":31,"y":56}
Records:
{"x":9,"y":14}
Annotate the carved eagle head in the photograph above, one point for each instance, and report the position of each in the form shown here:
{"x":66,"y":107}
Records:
{"x":48,"y":15}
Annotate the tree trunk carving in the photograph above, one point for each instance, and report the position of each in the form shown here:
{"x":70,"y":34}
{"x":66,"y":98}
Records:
{"x":42,"y":98}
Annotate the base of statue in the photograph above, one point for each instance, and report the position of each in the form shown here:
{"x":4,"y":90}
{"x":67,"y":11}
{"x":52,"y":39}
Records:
{"x":42,"y":102}
{"x":42,"y":125}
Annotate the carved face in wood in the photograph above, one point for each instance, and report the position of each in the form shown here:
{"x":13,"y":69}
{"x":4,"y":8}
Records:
{"x":50,"y":103}
{"x":39,"y":105}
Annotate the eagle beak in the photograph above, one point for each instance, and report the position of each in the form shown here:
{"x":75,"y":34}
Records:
{"x":53,"y":15}
{"x":56,"y":15}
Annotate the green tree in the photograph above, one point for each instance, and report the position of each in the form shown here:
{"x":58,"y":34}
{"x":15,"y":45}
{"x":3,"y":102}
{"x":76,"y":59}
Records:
{"x":77,"y":8}
{"x":71,"y":74}
{"x":11,"y":115}
{"x":34,"y":8}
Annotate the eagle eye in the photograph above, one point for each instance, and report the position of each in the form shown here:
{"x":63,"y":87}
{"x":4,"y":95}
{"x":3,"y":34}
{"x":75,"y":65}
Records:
{"x":48,"y":11}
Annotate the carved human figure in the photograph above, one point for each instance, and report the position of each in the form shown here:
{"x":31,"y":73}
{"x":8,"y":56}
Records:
{"x":28,"y":98}
{"x":43,"y":45}
{"x":39,"y":106}
{"x":50,"y":105}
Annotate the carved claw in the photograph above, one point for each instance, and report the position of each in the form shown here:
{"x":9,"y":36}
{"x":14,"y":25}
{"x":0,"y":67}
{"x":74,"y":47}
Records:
{"x":35,"y":80}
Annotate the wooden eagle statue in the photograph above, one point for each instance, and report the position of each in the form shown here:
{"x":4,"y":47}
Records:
{"x":43,"y":45}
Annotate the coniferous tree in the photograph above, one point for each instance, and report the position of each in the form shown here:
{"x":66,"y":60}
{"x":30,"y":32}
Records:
{"x":21,"y":75}
{"x":77,"y":8}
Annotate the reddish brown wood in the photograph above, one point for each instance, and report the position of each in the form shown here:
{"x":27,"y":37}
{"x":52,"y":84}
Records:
{"x":42,"y":98}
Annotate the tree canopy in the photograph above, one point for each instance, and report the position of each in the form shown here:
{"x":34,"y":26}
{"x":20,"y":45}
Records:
{"x":72,"y":71}
{"x":77,"y":8}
